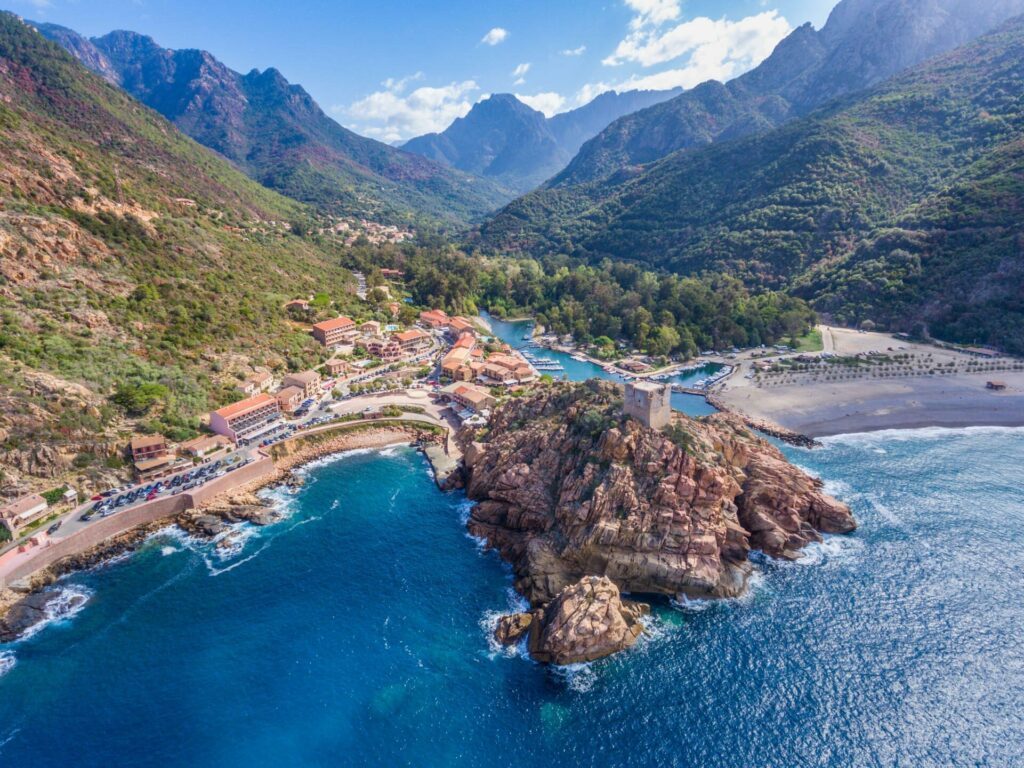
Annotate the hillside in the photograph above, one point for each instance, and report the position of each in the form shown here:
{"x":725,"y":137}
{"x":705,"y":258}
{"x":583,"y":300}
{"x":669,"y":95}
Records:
{"x":504,"y":139}
{"x":863,"y":43}
{"x":277,"y":134}
{"x":880,"y":207}
{"x":141,"y":275}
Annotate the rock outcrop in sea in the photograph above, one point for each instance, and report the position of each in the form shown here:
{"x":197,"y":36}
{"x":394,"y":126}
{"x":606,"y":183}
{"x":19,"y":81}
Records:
{"x":568,"y":488}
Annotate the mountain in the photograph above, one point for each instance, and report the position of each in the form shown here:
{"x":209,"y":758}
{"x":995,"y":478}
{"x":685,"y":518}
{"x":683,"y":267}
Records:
{"x":141,"y":274}
{"x":276,"y":133}
{"x":900,"y":205}
{"x":863,"y":43}
{"x":504,"y":139}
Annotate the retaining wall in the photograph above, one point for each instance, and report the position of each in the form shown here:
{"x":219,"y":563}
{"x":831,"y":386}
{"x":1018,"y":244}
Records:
{"x":106,"y":528}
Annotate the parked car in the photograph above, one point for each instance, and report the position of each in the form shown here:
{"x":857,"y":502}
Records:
{"x":55,"y":527}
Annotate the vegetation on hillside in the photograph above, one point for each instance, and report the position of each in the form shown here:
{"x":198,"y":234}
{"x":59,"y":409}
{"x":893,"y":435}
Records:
{"x":913,"y":188}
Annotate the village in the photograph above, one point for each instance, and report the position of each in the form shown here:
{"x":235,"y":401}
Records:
{"x":439,"y":369}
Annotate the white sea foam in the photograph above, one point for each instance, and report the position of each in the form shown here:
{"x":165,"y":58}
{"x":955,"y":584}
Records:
{"x":514,"y":603}
{"x":577,"y":677}
{"x":691,"y":604}
{"x":68,"y":603}
{"x":872,"y":439}
{"x":7,"y":662}
{"x":835,"y":549}
{"x":168,"y":551}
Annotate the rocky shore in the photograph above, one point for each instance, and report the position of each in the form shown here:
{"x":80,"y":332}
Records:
{"x":567,"y":488}
{"x":23,"y":607}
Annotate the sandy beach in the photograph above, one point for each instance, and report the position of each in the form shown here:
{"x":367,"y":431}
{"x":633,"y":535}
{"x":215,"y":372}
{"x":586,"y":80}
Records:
{"x":816,"y":406}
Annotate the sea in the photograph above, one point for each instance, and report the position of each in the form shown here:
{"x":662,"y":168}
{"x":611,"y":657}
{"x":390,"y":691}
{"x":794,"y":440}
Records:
{"x":357,"y":631}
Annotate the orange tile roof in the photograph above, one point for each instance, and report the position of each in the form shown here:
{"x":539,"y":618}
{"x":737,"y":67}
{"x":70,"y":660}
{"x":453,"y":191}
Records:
{"x":147,"y":441}
{"x":466,"y":341}
{"x":244,"y":406}
{"x":335,"y":324}
{"x":411,"y":335}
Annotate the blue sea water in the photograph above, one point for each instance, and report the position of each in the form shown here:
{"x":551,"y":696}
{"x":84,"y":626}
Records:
{"x":357,"y":632}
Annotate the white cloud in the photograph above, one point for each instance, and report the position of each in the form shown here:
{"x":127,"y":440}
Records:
{"x":575,"y":51}
{"x":495,"y":36}
{"x":718,"y":48}
{"x":549,"y":103}
{"x":393,"y":115}
{"x":652,"y":13}
{"x":521,"y":70}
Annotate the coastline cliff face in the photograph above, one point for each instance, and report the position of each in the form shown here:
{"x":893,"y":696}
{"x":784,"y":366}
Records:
{"x":567,"y":488}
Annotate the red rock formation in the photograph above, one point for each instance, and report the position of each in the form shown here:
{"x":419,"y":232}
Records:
{"x":567,"y":488}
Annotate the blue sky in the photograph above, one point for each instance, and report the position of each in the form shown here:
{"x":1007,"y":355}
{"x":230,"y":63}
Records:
{"x":394,"y":70}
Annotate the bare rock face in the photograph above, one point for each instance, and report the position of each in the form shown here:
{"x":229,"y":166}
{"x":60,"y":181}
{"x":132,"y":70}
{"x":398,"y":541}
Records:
{"x":569,"y":488}
{"x":512,"y":627}
{"x":586,"y":621}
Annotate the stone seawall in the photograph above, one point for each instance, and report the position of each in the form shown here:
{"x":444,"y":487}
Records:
{"x":158,"y":509}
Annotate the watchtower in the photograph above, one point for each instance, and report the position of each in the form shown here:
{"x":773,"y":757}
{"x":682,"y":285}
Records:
{"x":649,"y":403}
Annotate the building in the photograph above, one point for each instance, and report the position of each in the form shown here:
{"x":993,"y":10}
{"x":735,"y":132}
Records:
{"x":247,"y":418}
{"x":147,"y":447}
{"x":649,"y":403}
{"x":454,"y":365}
{"x":370,"y":328}
{"x":308,"y":381}
{"x":434,"y":318}
{"x":289,"y":399}
{"x":297,"y":304}
{"x":386,"y":348}
{"x":394,"y":308}
{"x":330,"y":333}
{"x":392,"y":274}
{"x":258,"y":382}
{"x":507,"y":369}
{"x":204,"y":445}
{"x":460,"y":325}
{"x":336,"y":367}
{"x":469,"y":397}
{"x":412,"y":341}
{"x":17,"y":514}
{"x":152,"y":456}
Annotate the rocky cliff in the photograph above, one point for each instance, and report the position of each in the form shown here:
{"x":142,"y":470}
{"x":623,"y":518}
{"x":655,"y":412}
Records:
{"x":567,"y":487}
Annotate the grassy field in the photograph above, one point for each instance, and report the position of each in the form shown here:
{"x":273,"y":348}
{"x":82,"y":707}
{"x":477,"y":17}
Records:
{"x":811,"y":342}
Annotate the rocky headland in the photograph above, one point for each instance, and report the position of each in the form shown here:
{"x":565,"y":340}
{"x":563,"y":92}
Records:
{"x":568,"y":488}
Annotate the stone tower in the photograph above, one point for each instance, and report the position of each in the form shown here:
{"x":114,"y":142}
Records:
{"x":649,"y":403}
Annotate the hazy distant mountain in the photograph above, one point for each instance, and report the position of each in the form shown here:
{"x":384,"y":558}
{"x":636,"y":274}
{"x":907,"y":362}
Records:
{"x":504,"y":139}
{"x":863,"y":43}
{"x":277,"y":134}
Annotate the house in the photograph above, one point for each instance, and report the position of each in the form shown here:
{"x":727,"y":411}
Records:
{"x":308,"y":381}
{"x":434,"y":318}
{"x":997,"y":386}
{"x":454,"y":364}
{"x":470,"y":397}
{"x":148,"y":447}
{"x":290,"y":398}
{"x":370,"y":328}
{"x":336,"y":367}
{"x":394,"y":308}
{"x":330,"y":333}
{"x":247,"y":418}
{"x":297,"y":304}
{"x":204,"y":445}
{"x":411,"y":341}
{"x":258,"y":382}
{"x":392,"y":274}
{"x":15,"y":515}
{"x":460,"y":325}
{"x":151,"y":456}
{"x":466,"y":341}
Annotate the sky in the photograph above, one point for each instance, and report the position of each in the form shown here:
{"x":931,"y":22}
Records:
{"x":396,"y":69}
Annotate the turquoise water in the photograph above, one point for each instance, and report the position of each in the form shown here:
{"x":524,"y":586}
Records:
{"x":355,"y":633}
{"x":513,"y":333}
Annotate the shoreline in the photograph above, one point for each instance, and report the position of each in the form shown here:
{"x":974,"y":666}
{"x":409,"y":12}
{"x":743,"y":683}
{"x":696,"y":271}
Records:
{"x":238,"y":504}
